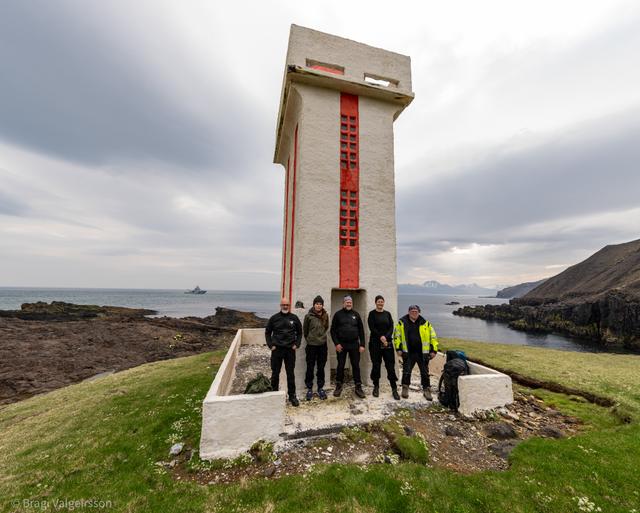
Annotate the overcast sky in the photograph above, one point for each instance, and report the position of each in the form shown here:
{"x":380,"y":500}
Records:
{"x":136,"y":138}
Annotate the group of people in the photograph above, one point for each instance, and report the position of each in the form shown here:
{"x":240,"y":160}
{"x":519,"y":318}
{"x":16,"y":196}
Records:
{"x":412,"y":338}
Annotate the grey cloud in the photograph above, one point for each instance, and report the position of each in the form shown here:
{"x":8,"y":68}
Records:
{"x":12,"y":206}
{"x":69,"y":90}
{"x":592,"y":169}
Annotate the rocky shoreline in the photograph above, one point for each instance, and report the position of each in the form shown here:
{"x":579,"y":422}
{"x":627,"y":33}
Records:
{"x":612,"y":319}
{"x":44,"y":346}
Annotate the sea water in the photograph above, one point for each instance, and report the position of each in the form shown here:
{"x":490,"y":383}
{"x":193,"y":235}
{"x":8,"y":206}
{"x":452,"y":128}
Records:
{"x":175,"y":303}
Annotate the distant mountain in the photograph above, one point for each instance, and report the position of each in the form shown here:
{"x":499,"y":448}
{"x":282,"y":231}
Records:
{"x":519,"y":290}
{"x":435,"y":287}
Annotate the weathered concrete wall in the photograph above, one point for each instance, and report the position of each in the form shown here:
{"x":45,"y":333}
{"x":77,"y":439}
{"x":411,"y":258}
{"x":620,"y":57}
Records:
{"x":357,"y":59}
{"x":484,"y":389}
{"x":232,"y":423}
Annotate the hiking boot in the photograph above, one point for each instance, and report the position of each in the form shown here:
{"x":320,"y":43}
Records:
{"x":294,"y":401}
{"x":322,"y":394}
{"x":376,"y":390}
{"x":395,"y":394}
{"x":309,"y":395}
{"x":405,"y":391}
{"x":338,"y":390}
{"x":359,"y":392}
{"x":427,"y":394}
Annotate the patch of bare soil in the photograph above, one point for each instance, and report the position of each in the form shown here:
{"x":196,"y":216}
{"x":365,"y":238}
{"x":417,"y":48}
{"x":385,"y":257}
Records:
{"x":43,"y":348}
{"x":461,"y":444}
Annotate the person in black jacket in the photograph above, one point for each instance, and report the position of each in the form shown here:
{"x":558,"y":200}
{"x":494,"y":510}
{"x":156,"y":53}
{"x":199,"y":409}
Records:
{"x":381,"y":327}
{"x":284,"y":335}
{"x":347,"y":333}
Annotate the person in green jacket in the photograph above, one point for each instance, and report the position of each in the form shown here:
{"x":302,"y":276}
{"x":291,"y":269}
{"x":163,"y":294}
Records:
{"x":314,"y":328}
{"x":416,"y":342}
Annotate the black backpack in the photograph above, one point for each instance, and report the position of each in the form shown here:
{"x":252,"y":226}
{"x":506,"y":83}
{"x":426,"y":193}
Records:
{"x":455,"y":367}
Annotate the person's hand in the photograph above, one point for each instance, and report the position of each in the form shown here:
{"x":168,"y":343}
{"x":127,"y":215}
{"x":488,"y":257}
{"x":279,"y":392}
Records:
{"x":295,"y":347}
{"x":383,"y":339}
{"x":432,"y":355}
{"x":399,"y":353}
{"x":273,"y":348}
{"x":361,"y":349}
{"x":338,"y":348}
{"x":385,"y":343}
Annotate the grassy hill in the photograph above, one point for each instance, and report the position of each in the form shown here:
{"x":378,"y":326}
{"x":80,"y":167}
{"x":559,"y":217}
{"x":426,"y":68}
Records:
{"x":103,"y":440}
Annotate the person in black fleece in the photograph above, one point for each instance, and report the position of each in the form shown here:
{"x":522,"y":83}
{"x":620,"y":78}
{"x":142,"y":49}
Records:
{"x":347,"y":333}
{"x":381,"y":327}
{"x":284,"y":335}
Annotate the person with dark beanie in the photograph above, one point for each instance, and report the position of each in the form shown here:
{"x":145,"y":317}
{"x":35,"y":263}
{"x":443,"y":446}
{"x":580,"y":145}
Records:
{"x":314,"y":328}
{"x":381,"y":326}
{"x":284,"y":335}
{"x":347,"y":333}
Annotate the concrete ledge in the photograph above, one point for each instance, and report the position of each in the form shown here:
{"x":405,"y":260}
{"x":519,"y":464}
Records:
{"x":232,"y":423}
{"x":483,"y":389}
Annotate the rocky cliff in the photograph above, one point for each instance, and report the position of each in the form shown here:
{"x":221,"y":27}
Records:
{"x":597,"y":299}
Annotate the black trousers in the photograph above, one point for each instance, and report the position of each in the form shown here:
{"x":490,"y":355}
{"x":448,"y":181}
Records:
{"x":316,"y":357}
{"x":288,"y":355}
{"x":408,"y":361}
{"x":378,"y":355}
{"x":354,"y":358}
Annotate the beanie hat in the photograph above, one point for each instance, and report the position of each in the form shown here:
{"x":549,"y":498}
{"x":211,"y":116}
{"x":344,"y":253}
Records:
{"x":318,"y":299}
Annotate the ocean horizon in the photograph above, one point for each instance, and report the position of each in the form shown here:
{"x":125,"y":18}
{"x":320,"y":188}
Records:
{"x":175,"y":303}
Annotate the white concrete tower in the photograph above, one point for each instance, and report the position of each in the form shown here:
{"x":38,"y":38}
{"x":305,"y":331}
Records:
{"x":334,"y":138}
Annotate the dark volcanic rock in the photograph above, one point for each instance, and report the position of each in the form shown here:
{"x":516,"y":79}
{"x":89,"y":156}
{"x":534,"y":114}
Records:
{"x":452,"y":431}
{"x":226,"y":317}
{"x":61,"y":311}
{"x":503,"y":448}
{"x":48,"y":346}
{"x":551,"y":432}
{"x":500,"y":431}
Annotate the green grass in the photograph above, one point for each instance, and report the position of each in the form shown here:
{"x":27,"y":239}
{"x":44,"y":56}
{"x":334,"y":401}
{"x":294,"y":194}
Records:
{"x":102,"y":440}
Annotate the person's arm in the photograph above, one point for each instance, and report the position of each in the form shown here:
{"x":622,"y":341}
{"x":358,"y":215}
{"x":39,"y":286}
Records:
{"x":396,"y":338}
{"x":305,"y":325}
{"x":268,"y":331}
{"x":434,"y":341}
{"x":370,"y":322}
{"x":361,"y":331}
{"x":334,"y":329}
{"x":298,"y":331}
{"x":389,"y":333}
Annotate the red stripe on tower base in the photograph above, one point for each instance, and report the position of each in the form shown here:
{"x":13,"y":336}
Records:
{"x":349,"y":235}
{"x":293,"y":210}
{"x":285,"y":231}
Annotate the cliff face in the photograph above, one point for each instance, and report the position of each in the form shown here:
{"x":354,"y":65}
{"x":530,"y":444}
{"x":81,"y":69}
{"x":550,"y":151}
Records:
{"x":598,"y":299}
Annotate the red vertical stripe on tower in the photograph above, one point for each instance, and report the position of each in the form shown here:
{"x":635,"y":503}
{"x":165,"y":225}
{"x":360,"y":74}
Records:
{"x":293,"y":211}
{"x":285,"y":231}
{"x":349,"y":192}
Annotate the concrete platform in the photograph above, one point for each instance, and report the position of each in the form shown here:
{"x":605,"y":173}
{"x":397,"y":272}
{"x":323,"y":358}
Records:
{"x":232,"y":423}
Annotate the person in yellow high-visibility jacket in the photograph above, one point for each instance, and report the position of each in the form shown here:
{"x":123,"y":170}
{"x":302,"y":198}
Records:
{"x":415,"y":341}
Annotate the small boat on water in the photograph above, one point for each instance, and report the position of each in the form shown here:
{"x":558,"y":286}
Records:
{"x":197,"y":290}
